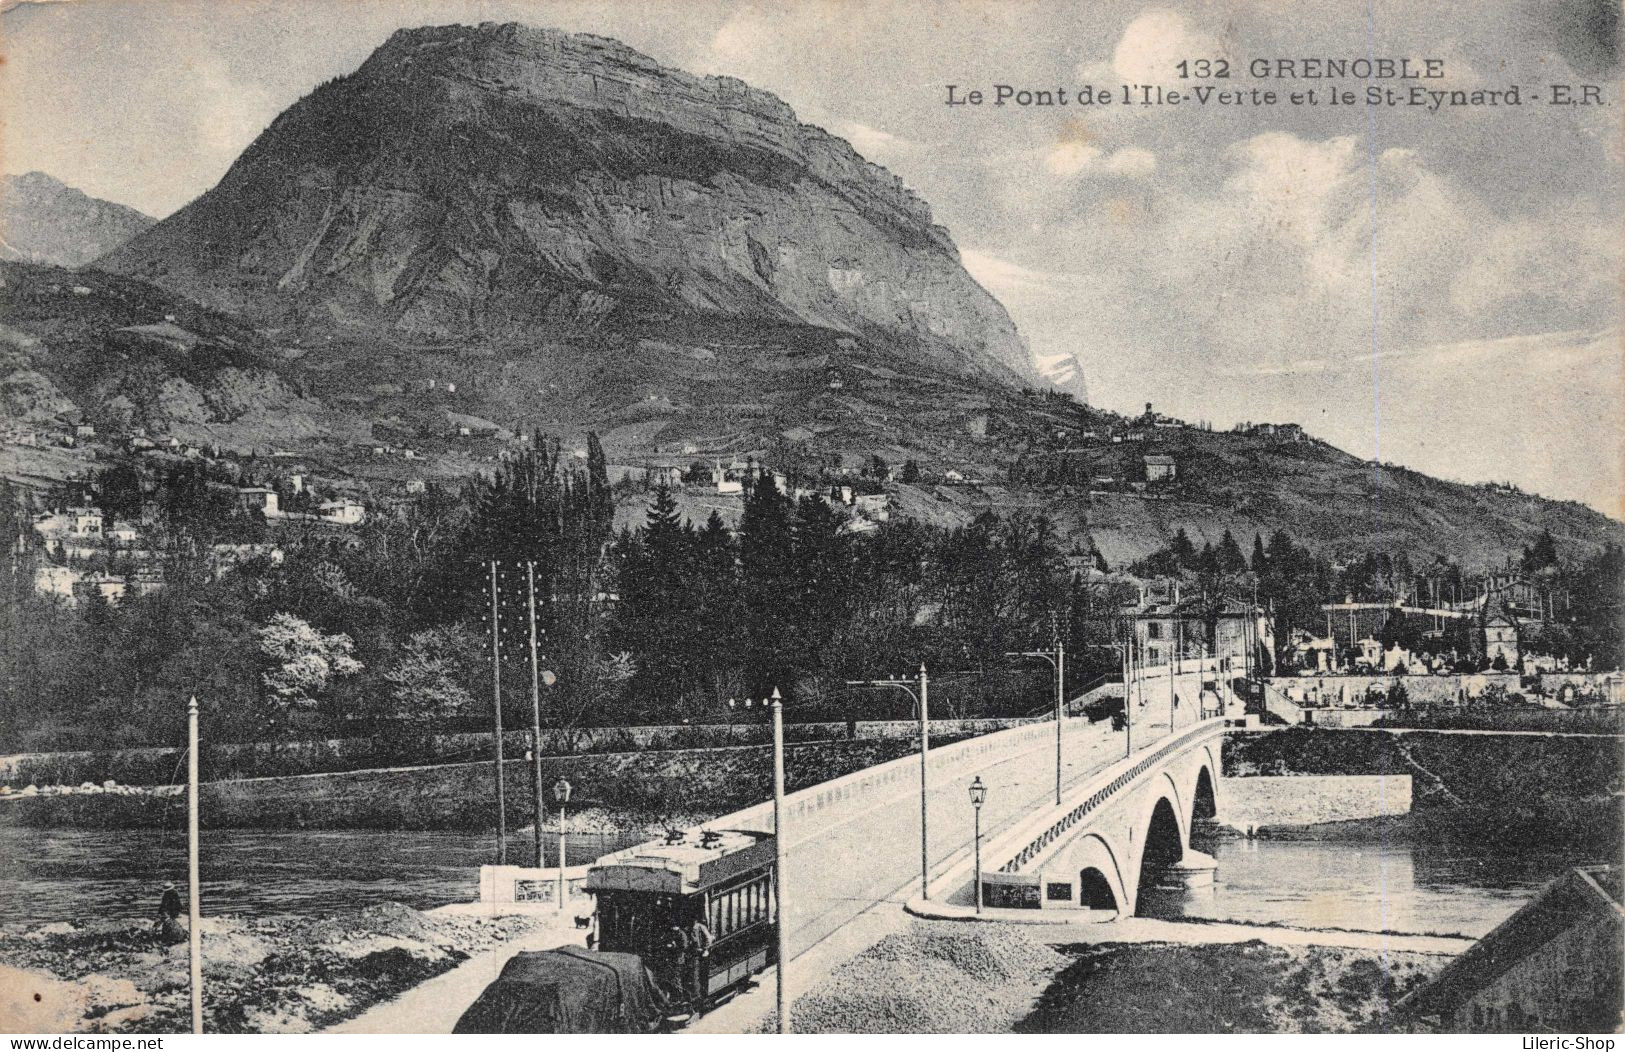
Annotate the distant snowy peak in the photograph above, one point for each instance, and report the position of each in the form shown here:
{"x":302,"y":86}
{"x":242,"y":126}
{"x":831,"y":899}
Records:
{"x":1065,"y":372}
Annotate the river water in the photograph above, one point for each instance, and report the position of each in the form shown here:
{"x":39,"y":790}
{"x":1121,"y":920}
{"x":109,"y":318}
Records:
{"x":1415,"y":888}
{"x":74,"y":874}
{"x":52,"y":875}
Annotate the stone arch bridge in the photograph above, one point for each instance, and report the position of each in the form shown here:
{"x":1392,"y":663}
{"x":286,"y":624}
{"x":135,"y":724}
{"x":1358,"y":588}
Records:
{"x":1116,"y":835}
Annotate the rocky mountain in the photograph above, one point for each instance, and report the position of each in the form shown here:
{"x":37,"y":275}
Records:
{"x":481,"y":184}
{"x":123,"y":355}
{"x":43,"y":220}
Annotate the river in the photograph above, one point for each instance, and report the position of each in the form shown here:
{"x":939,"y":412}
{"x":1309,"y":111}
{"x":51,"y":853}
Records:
{"x":1416,"y":888}
{"x":72,"y":874}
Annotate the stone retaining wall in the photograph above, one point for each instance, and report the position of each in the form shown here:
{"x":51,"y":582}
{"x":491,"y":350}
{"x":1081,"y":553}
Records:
{"x":1339,"y":691}
{"x":1308,"y":799}
{"x":671,"y":787}
{"x":161,"y":766}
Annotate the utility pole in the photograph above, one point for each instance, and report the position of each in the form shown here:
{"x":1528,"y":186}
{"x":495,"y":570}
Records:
{"x":194,"y":919}
{"x":925,"y":767}
{"x":1128,"y":727}
{"x":922,"y":703}
{"x":535,"y":714}
{"x":1179,"y":643}
{"x":781,"y":928}
{"x":1057,"y":659}
{"x":496,"y":692}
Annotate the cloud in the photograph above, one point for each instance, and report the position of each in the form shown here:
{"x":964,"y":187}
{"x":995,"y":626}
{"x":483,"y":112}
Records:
{"x":1154,"y":42}
{"x":1069,"y":160}
{"x":1002,"y":277}
{"x":876,"y":144}
{"x":1131,"y":162}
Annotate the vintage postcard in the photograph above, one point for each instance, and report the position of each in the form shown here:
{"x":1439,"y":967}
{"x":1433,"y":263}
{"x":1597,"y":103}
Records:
{"x":828,"y":517}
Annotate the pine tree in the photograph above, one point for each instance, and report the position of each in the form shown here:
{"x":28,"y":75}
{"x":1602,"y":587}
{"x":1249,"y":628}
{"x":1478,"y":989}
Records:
{"x":767,"y":587}
{"x":1183,"y":551}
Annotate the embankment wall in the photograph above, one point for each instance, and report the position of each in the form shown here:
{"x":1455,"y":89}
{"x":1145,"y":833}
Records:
{"x":1309,"y":799}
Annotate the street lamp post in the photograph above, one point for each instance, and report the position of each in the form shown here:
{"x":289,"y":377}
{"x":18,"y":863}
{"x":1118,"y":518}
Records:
{"x":561,"y":796}
{"x":922,"y":705}
{"x":978,"y":796}
{"x":1057,"y":660}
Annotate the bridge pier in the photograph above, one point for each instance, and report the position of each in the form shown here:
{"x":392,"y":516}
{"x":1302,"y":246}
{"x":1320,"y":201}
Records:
{"x":1195,"y":870}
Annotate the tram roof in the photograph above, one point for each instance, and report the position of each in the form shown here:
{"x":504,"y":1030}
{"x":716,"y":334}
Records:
{"x":682,"y":868}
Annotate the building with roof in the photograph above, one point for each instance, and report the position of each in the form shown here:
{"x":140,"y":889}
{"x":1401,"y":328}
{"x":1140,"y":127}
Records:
{"x":1554,"y":966}
{"x":1167,"y":627}
{"x":1159,"y":467}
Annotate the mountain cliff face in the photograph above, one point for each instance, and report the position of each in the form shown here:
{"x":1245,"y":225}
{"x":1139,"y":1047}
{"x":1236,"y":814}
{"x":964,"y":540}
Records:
{"x":45,"y":221}
{"x":477,"y":183}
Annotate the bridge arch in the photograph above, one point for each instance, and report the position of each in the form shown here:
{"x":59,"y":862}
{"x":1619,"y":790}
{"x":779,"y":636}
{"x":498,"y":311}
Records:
{"x":1164,"y":846}
{"x":1204,"y":802}
{"x":1162,"y":785}
{"x":1092,"y":862}
{"x":1199,"y":780}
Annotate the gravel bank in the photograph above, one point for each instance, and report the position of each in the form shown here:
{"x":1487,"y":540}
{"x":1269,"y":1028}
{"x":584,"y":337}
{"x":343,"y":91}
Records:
{"x":261,"y":975}
{"x":935,"y":978}
{"x":956,"y":977}
{"x":1239,"y":988}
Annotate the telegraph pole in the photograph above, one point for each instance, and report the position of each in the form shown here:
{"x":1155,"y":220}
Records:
{"x":496,"y":692}
{"x":535,"y":713}
{"x":781,"y":929}
{"x":194,"y":919}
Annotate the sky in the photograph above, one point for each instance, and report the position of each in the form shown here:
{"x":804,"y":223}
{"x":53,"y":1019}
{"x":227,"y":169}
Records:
{"x":1437,"y":289}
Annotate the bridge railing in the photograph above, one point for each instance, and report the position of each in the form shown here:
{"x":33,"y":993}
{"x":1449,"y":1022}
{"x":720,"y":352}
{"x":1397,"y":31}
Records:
{"x":1027,"y":841}
{"x":860,"y":790}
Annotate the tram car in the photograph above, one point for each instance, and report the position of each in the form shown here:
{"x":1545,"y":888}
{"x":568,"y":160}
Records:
{"x":666,"y":899}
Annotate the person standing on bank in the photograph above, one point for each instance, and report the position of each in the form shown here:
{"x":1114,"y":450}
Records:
{"x":170,"y":909}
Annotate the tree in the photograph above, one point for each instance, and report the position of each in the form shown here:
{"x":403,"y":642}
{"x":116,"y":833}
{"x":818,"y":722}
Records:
{"x":119,"y":491}
{"x":300,"y":664}
{"x":597,"y":464}
{"x":1543,"y":555}
{"x":1259,"y":561}
{"x":655,"y":573}
{"x":768,"y":588}
{"x":911,"y":471}
{"x":1183,"y":551}
{"x":1230,"y":558}
{"x":427,"y":682}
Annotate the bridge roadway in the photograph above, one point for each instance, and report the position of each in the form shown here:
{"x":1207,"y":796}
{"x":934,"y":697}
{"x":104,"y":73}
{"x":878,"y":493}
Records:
{"x":840,"y":867}
{"x":838,"y":871}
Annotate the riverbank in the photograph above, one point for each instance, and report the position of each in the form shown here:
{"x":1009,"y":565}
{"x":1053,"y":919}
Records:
{"x":953,"y":977}
{"x":280,"y":974}
{"x":1511,"y":791}
{"x":1250,"y":987}
{"x":627,"y":791}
